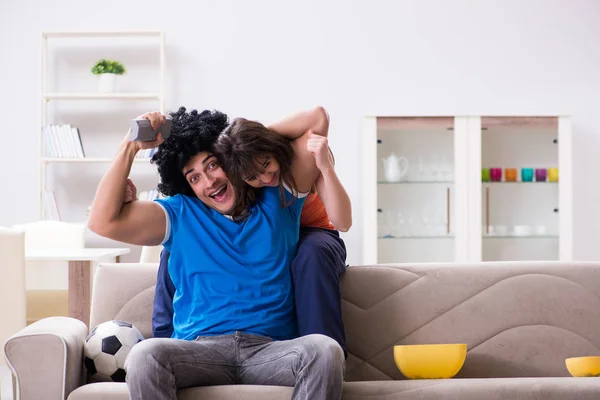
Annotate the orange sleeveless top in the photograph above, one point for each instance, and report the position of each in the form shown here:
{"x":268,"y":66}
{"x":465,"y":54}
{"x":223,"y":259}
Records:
{"x":313,"y":213}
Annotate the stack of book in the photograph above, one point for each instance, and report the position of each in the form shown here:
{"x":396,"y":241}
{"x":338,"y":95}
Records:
{"x":62,"y":141}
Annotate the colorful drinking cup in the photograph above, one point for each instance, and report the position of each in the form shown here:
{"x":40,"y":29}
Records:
{"x":527,"y":174}
{"x":496,"y":174}
{"x":510,"y":174}
{"x":553,"y":174}
{"x":485,"y":174}
{"x":540,"y":174}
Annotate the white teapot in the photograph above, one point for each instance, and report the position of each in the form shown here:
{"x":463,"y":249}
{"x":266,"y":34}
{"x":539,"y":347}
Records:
{"x":394,"y":168}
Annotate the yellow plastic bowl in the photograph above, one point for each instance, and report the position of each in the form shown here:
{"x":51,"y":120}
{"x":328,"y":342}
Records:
{"x":583,"y":366}
{"x":430,"y":361}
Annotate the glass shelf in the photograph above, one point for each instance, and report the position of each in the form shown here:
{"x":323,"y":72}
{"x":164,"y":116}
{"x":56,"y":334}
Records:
{"x":518,"y":182}
{"x":414,"y":182}
{"x":484,"y":237}
{"x":415,"y":237}
{"x":520,"y":236}
{"x":49,"y":160}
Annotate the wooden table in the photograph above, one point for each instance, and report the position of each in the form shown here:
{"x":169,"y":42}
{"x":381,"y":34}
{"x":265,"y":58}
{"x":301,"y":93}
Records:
{"x":81,"y":262}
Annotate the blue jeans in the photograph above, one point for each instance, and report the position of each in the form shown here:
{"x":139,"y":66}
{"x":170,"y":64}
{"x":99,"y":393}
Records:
{"x":314,"y":365}
{"x":316,"y":270}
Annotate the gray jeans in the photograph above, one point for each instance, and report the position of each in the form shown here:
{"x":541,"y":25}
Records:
{"x":314,"y":365}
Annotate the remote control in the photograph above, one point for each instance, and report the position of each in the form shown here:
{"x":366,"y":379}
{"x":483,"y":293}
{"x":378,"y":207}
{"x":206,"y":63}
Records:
{"x":142,"y":131}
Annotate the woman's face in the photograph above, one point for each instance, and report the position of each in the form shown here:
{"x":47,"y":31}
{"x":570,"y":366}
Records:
{"x":269,"y":173}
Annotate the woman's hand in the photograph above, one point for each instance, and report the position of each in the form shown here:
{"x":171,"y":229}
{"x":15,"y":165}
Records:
{"x":130,"y":192}
{"x":318,"y":147}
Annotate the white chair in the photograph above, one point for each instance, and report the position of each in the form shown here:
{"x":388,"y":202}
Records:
{"x":150,"y":254}
{"x":53,"y":234}
{"x":47,"y":282}
{"x":12,"y":284}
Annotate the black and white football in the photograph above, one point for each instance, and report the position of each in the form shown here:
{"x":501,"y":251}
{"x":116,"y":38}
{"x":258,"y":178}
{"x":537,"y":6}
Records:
{"x":106,"y":349}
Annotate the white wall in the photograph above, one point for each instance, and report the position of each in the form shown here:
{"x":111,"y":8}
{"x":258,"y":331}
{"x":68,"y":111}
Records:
{"x":263,"y":59}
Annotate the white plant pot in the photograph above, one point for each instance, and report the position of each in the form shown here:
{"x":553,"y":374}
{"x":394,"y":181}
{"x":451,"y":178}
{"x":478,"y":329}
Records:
{"x":106,"y":83}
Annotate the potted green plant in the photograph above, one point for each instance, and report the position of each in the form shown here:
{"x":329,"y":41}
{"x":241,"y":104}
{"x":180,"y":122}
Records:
{"x":107,"y":70}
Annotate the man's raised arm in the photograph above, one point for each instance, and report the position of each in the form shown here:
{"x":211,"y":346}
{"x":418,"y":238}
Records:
{"x":137,"y":222}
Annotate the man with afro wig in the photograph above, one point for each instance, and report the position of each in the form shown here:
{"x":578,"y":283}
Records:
{"x":230,"y":253}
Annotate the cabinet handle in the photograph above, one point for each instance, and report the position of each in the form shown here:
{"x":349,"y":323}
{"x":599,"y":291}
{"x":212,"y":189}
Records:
{"x":555,"y":141}
{"x":379,"y":141}
{"x":448,"y":210}
{"x":555,"y":210}
{"x":487,"y":210}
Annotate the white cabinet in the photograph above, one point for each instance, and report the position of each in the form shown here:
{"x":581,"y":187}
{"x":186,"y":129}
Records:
{"x":442,"y":208}
{"x":526,"y":207}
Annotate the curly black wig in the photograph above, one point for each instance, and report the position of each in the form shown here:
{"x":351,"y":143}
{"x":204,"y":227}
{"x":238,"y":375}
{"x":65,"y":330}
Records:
{"x":191,"y":133}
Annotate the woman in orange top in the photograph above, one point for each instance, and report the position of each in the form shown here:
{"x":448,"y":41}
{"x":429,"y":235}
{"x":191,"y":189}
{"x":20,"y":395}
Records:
{"x":321,"y":256}
{"x":314,"y":214}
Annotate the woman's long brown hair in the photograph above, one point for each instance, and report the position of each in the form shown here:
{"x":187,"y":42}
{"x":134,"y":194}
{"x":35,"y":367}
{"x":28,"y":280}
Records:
{"x":242,"y":149}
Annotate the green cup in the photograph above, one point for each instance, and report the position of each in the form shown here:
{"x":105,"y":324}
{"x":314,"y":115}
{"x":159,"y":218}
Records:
{"x":485,"y":174}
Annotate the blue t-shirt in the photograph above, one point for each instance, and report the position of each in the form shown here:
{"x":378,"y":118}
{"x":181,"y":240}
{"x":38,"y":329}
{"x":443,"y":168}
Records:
{"x":232,"y":276}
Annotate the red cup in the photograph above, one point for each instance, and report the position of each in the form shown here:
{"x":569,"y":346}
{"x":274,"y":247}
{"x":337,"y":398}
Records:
{"x":495,"y":174}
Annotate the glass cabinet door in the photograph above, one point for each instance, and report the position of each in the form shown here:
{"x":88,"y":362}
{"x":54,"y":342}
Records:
{"x":415,"y":189}
{"x":520,"y":188}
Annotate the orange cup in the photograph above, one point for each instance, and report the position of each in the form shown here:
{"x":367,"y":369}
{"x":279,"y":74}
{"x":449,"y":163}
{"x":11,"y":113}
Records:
{"x":510,"y":174}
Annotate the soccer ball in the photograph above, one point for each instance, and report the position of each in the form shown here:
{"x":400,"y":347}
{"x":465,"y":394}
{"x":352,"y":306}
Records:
{"x":106,"y":349}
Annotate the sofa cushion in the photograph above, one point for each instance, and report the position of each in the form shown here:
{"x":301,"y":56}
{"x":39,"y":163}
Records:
{"x":118,"y":391}
{"x":518,"y":319}
{"x":124,"y":292}
{"x":463,"y":389}
{"x":476,"y":389}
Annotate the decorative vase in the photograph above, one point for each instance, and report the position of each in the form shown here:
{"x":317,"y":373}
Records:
{"x":394,"y":168}
{"x":527,"y":174}
{"x":485,"y":174}
{"x":540,"y":174}
{"x":496,"y":174}
{"x":106,"y":83}
{"x":510,"y":174}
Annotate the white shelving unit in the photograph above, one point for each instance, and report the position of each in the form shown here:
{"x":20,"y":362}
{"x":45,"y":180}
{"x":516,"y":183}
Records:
{"x":87,"y":160}
{"x":102,"y":96}
{"x":49,"y":94}
{"x":441,"y":211}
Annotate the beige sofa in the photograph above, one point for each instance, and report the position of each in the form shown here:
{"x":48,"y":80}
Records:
{"x":520,"y":321}
{"x":12,"y":283}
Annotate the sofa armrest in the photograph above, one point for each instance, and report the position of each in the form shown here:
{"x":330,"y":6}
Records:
{"x":47,"y":358}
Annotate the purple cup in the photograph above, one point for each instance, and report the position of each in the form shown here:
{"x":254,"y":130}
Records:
{"x":540,"y":174}
{"x":495,"y":174}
